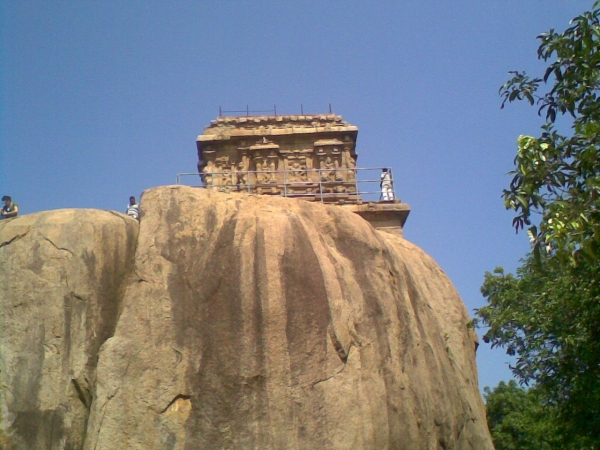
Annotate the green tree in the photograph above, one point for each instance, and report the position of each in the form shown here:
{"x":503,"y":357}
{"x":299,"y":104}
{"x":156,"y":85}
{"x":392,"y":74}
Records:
{"x":558,"y":175}
{"x":548,"y":314}
{"x":518,"y":419}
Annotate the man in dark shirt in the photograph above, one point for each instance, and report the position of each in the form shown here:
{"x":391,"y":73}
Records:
{"x":133,"y":209}
{"x":10,"y":208}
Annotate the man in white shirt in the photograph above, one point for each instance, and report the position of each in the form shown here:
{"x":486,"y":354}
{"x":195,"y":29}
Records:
{"x":387,"y":193}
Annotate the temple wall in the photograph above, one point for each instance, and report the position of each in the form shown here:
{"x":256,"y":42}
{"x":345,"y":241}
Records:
{"x":305,"y":156}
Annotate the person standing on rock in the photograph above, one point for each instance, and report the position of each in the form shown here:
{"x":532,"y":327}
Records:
{"x":133,"y":209}
{"x":10,"y":208}
{"x":387,"y":193}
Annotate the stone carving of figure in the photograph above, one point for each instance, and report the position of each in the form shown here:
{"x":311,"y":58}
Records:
{"x":296,"y":173}
{"x":331,"y":174}
{"x":261,"y":165}
{"x":265,"y":171}
{"x":241,"y":175}
{"x":207,"y":177}
{"x":271,"y":174}
{"x":352,"y":166}
{"x":260,"y":177}
{"x":338,"y":174}
{"x":223,"y":175}
{"x":322,"y":171}
{"x":233,"y":174}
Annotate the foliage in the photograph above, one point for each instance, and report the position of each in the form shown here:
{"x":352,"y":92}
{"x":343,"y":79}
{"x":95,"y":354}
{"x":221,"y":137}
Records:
{"x":548,"y":314}
{"x":558,"y":176}
{"x":518,"y":419}
{"x":549,"y":318}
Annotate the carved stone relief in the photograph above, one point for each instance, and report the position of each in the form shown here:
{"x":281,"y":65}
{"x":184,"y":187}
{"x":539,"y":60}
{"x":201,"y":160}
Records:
{"x":292,"y":163}
{"x":241,"y":173}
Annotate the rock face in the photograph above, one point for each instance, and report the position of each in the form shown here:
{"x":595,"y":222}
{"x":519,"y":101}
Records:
{"x":241,"y":322}
{"x":62,"y":275}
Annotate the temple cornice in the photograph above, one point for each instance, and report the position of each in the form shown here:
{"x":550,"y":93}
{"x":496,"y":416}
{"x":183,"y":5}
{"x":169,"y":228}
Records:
{"x":225,"y":128}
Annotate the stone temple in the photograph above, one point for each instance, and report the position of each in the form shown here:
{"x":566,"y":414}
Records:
{"x":312,"y":157}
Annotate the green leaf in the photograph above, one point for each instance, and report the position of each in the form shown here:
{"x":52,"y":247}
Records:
{"x":523,"y":201}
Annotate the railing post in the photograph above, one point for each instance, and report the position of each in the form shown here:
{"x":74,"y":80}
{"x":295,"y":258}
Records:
{"x":320,"y":186}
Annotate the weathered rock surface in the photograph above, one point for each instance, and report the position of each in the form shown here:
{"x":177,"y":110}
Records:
{"x":62,"y":275}
{"x":247,"y":322}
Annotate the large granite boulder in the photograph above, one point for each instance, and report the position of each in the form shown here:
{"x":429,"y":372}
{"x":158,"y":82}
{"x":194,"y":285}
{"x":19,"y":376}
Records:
{"x":62,"y":277}
{"x":245,"y":322}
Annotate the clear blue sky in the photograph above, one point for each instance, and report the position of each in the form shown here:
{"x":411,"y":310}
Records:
{"x":101,"y":100}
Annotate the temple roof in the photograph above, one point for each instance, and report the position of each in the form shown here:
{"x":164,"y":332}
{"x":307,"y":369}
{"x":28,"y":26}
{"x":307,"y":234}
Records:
{"x":227,"y":127}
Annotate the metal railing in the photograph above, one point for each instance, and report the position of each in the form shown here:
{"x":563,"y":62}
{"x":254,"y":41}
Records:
{"x":235,"y":112}
{"x":325,"y":185}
